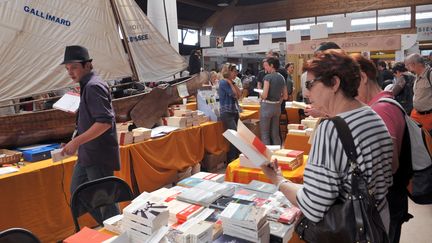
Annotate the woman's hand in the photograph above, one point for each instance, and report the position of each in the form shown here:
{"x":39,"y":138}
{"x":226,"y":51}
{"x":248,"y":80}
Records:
{"x":314,"y":112}
{"x":272,"y":171}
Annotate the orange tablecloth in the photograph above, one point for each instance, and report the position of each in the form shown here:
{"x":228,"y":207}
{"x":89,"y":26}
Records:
{"x":293,"y":113}
{"x":33,"y":197}
{"x":191,"y":106}
{"x":235,"y":173}
{"x":297,"y":142}
{"x":249,"y":114}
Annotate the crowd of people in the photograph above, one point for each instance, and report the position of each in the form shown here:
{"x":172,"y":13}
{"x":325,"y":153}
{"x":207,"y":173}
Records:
{"x":350,"y":86}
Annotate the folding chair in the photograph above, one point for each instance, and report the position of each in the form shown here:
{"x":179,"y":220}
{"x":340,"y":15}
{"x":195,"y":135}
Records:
{"x":91,"y":196}
{"x":18,"y":235}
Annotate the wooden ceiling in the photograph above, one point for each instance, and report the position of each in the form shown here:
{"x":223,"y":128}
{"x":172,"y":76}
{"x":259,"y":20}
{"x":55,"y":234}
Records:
{"x":195,"y":13}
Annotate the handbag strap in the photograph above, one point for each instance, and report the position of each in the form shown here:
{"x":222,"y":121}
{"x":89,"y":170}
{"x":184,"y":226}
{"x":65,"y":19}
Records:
{"x":346,"y":138}
{"x":357,"y":184}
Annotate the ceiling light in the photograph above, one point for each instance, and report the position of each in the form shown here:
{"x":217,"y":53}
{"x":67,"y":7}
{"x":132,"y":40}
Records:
{"x":223,"y":4}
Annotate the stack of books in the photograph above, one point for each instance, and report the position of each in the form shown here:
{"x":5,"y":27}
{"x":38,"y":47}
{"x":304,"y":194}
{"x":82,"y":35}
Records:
{"x":198,"y":196}
{"x":125,"y":137}
{"x":306,"y":128}
{"x":261,"y":187}
{"x":200,"y":232}
{"x":141,"y":134}
{"x":113,"y":224}
{"x":209,"y":176}
{"x":280,"y":233}
{"x":180,"y":212}
{"x":289,"y":159}
{"x":144,"y":220}
{"x":247,"y":222}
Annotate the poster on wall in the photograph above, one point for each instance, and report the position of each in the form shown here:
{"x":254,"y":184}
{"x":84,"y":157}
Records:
{"x":219,"y":42}
{"x":424,"y":31}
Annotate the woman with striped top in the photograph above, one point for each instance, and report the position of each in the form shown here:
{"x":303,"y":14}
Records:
{"x":332,"y":81}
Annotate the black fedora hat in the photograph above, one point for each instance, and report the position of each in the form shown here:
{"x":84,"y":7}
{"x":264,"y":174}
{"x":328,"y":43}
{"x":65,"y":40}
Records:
{"x":76,"y":54}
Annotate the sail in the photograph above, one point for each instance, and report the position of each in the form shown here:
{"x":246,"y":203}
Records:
{"x":34,"y":35}
{"x":153,"y":56}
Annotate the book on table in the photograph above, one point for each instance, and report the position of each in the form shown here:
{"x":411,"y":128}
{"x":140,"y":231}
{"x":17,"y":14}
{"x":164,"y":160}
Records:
{"x":249,"y":144}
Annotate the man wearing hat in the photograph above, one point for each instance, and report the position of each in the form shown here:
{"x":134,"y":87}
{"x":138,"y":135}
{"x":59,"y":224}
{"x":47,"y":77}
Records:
{"x":96,"y":137}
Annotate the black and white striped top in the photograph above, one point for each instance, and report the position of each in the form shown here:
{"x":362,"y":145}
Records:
{"x":326,"y":178}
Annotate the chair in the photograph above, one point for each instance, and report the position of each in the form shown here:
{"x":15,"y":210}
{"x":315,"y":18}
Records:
{"x":92,"y":195}
{"x":18,"y":235}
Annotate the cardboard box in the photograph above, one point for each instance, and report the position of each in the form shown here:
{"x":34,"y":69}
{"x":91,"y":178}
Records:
{"x":213,"y":162}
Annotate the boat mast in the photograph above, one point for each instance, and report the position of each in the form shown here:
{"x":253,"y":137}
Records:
{"x":125,"y":40}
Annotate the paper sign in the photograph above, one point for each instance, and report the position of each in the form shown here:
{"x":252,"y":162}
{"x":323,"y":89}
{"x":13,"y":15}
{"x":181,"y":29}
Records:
{"x":205,"y":41}
{"x":342,"y":25}
{"x":293,"y":37}
{"x":318,"y":31}
{"x":182,"y":90}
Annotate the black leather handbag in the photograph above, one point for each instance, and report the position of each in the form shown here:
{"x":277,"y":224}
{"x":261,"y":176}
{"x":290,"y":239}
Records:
{"x":355,"y":220}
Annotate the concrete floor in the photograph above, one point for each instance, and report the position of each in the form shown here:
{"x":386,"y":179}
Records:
{"x":418,"y":229}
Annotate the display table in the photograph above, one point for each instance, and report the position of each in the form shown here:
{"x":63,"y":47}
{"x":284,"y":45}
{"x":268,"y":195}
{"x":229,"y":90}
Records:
{"x":297,"y":142}
{"x":292,"y":113}
{"x":235,"y":173}
{"x":34,"y":197}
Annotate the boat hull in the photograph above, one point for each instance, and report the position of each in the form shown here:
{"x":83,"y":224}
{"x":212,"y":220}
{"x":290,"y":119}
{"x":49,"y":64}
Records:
{"x":49,"y":125}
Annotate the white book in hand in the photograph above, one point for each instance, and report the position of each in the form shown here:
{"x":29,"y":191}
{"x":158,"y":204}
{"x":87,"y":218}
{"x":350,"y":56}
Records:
{"x":69,"y":102}
{"x":249,"y":144}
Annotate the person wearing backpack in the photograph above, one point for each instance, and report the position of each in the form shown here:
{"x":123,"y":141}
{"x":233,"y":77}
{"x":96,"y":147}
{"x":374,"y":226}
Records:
{"x":422,"y":100}
{"x":403,"y":88}
{"x":370,"y":92}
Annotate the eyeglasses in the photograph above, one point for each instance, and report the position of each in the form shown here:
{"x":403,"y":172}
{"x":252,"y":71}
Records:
{"x":309,"y":83}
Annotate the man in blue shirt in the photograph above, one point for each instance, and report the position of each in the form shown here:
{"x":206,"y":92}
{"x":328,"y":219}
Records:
{"x":96,"y":137}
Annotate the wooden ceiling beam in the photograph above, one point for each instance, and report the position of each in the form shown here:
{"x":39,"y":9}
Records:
{"x":199,"y":4}
{"x":189,"y":24}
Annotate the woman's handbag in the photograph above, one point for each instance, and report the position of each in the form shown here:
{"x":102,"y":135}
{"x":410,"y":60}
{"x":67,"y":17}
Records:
{"x":355,"y":220}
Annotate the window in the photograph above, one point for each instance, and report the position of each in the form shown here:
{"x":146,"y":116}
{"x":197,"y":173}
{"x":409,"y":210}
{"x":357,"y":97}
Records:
{"x":424,"y":14}
{"x":247,"y":31}
{"x":276,"y":28}
{"x":188,"y":36}
{"x":394,"y":18}
{"x":229,"y":37}
{"x":363,"y":21}
{"x":179,"y":35}
{"x":206,"y":30}
{"x":329,"y":19}
{"x":302,"y":24}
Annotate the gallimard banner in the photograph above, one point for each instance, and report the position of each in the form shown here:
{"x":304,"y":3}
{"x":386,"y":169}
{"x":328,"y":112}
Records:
{"x":350,"y":44}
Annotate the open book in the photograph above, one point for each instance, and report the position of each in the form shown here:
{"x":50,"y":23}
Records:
{"x":249,"y":144}
{"x":69,"y":102}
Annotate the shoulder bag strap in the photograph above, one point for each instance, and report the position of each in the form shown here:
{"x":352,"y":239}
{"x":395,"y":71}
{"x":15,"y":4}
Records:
{"x":347,"y":140}
{"x":428,"y":76}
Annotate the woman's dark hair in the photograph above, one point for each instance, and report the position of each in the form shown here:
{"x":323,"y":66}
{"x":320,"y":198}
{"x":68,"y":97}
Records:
{"x":399,"y":66}
{"x":382,"y":64}
{"x":273,"y":61}
{"x":366,"y":66}
{"x":326,"y":46}
{"x":288,"y":65}
{"x":333,"y":62}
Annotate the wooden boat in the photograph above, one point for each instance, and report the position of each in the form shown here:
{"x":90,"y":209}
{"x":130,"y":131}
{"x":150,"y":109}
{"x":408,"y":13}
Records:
{"x":34,"y":127}
{"x":34,"y":36}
